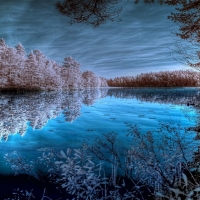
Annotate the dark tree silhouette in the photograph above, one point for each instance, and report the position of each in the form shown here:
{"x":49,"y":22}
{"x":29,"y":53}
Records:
{"x":94,"y":12}
{"x":187,"y":15}
{"x":189,"y":18}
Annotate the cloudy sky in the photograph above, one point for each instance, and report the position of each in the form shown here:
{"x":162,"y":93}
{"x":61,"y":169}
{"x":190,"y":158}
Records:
{"x":139,"y":43}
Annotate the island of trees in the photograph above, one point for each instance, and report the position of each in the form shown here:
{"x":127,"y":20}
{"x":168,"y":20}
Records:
{"x":36,"y":72}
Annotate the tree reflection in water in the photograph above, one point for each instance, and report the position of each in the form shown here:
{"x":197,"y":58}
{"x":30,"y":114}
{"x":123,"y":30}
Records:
{"x":162,"y":160}
{"x":17,"y":109}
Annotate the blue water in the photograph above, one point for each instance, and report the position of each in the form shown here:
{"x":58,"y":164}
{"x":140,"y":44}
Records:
{"x":67,"y":119}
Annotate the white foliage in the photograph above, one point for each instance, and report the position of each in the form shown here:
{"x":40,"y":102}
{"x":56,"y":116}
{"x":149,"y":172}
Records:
{"x":37,"y":72}
{"x":160,"y":164}
{"x":103,"y":82}
{"x":89,"y":79}
{"x":38,"y":108}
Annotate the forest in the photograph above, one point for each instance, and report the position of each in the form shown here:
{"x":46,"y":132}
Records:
{"x":36,"y":72}
{"x":177,"y":78}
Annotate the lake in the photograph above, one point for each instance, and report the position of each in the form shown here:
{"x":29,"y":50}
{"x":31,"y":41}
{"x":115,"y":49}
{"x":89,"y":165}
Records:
{"x":121,"y":133}
{"x":33,"y":121}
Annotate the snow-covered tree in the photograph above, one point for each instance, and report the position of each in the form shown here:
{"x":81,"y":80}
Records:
{"x":2,"y":43}
{"x":103,"y":82}
{"x":64,"y":74}
{"x":51,"y":79}
{"x":20,"y":50}
{"x":31,"y":73}
{"x":89,"y":79}
{"x":56,"y":67}
{"x":35,"y":71}
{"x":11,"y":67}
{"x":71,"y":74}
{"x":3,"y":56}
{"x":21,"y":59}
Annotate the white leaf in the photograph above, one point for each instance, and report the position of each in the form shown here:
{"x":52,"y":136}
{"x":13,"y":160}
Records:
{"x":90,"y":162}
{"x":197,"y":189}
{"x":68,"y":151}
{"x":185,"y":179}
{"x":77,"y":151}
{"x":90,"y":176}
{"x":58,"y":162}
{"x":63,"y":154}
{"x":176,"y":192}
{"x":160,"y":195}
{"x":77,"y":155}
{"x":190,"y":194}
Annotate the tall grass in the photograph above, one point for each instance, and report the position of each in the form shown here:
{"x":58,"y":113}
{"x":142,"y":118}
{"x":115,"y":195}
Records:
{"x":177,"y":78}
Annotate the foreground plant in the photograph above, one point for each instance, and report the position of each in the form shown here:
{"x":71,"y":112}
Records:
{"x":155,"y":159}
{"x":155,"y":165}
{"x":24,"y":194}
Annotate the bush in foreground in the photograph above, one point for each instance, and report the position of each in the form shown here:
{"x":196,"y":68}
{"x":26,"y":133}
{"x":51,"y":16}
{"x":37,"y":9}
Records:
{"x":156,"y":165}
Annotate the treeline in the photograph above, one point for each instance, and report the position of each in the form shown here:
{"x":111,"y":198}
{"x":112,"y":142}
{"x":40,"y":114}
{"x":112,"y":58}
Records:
{"x":36,"y":72}
{"x":177,"y":78}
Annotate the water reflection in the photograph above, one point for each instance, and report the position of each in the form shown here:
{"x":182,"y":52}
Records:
{"x":19,"y":110}
{"x":160,"y":163}
{"x":159,"y":156}
{"x":35,"y":109}
{"x":159,"y":95}
{"x":188,"y":97}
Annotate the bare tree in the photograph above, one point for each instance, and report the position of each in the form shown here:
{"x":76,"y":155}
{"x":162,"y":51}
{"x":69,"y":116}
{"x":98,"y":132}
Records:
{"x":187,"y":53}
{"x":97,"y":12}
{"x":188,"y":17}
{"x":94,"y":12}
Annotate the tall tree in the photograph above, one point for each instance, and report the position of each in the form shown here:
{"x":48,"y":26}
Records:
{"x":3,"y":57}
{"x":11,"y":66}
{"x":89,"y":79}
{"x":70,"y":73}
{"x":31,"y":73}
{"x":21,"y":58}
{"x":20,"y":50}
{"x":103,"y":82}
{"x":51,"y":80}
{"x":35,"y":71}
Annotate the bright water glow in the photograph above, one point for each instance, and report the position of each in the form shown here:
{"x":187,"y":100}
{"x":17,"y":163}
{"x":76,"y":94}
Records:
{"x":96,"y":113}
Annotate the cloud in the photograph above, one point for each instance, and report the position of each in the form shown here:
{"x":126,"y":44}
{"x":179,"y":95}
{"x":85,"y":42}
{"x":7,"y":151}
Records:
{"x":139,"y":42}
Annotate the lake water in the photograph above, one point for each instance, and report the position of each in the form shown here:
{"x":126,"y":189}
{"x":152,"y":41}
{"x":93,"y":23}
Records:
{"x":32,"y":121}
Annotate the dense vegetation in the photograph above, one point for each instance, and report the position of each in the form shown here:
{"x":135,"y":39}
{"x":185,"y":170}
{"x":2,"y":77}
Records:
{"x":178,"y":78}
{"x":148,"y":168}
{"x":36,"y":72}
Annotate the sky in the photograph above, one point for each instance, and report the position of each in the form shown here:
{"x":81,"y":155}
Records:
{"x":141,"y":42}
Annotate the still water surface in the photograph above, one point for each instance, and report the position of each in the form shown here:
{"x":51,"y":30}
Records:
{"x":32,"y":121}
